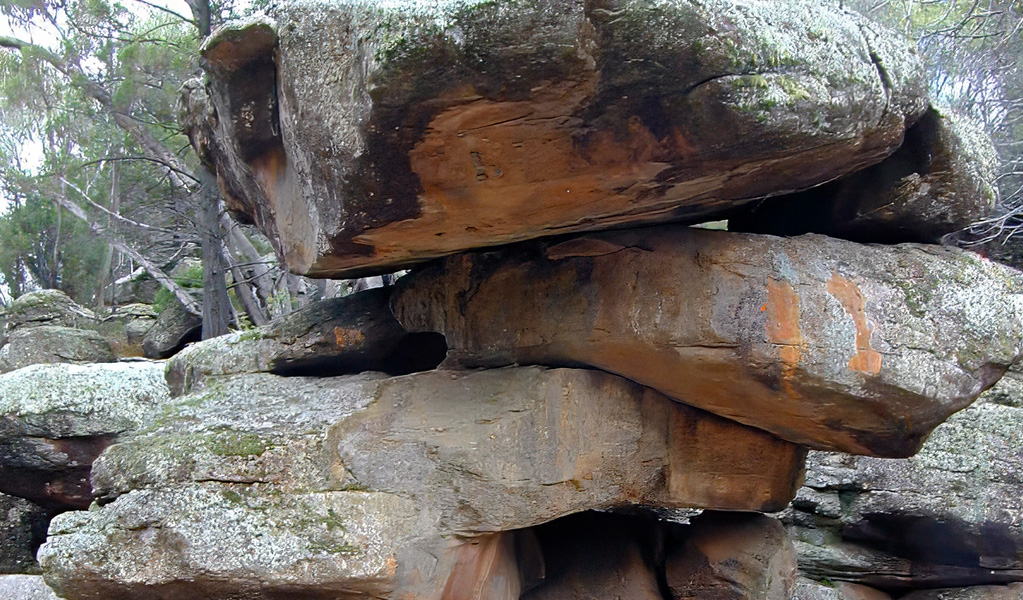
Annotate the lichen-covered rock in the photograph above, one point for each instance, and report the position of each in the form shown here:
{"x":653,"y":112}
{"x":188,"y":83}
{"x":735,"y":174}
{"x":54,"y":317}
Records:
{"x":55,"y":420}
{"x":732,"y":556}
{"x":938,"y":182}
{"x":49,"y":344}
{"x":949,"y":516}
{"x":174,"y":328}
{"x":25,"y":587}
{"x":48,"y":307}
{"x":333,"y":337}
{"x":823,"y":342}
{"x":808,"y":589}
{"x":983,"y":592}
{"x":363,"y":136}
{"x":22,"y":529}
{"x":126,"y":326}
{"x":425,"y":464}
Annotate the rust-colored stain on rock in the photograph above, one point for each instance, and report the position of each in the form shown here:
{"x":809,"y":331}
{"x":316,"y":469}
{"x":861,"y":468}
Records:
{"x":348,"y":337}
{"x":866,"y":360}
{"x":783,"y":330}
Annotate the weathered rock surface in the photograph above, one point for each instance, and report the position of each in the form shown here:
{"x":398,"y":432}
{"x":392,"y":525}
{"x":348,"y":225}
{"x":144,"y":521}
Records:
{"x":341,"y":335}
{"x":55,"y":420}
{"x":22,"y":529}
{"x":732,"y":556}
{"x":412,"y":460}
{"x":808,"y":589}
{"x":823,"y":342}
{"x":25,"y":587}
{"x":48,"y":344}
{"x":174,"y":328}
{"x":48,"y":307}
{"x":949,"y":516}
{"x":939,"y":182}
{"x":126,"y":326}
{"x":363,"y":137}
{"x":985,"y":592}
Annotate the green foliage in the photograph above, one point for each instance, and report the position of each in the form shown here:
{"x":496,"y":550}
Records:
{"x":191,"y":278}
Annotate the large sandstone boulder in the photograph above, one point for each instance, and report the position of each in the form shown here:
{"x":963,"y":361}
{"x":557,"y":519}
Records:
{"x":362,"y":137}
{"x":823,"y":342}
{"x":48,"y":307}
{"x":22,"y":529}
{"x":126,"y":327}
{"x":950,"y":516}
{"x":49,"y":344}
{"x":56,"y":419}
{"x":371,"y":484}
{"x":940,"y":181}
{"x":732,"y":556}
{"x":174,"y":328}
{"x":333,"y":337}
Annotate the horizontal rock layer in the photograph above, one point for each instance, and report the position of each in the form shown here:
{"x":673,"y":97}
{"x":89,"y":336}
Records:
{"x":823,"y":342}
{"x":363,"y":137}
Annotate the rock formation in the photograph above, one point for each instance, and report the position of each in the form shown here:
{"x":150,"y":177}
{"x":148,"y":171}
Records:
{"x":573,"y":394}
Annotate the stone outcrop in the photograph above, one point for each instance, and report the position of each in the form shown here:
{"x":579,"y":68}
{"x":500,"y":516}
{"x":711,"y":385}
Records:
{"x":986,"y":592}
{"x":808,"y":589}
{"x":48,"y":307}
{"x":334,"y":337}
{"x":47,"y":344}
{"x":126,"y":326}
{"x":22,"y":529}
{"x":56,"y":419}
{"x":407,"y":462}
{"x":820,"y":341}
{"x":25,"y":587}
{"x":940,"y":181}
{"x":367,"y":137}
{"x":174,"y":328}
{"x":729,"y":556}
{"x":949,"y":516}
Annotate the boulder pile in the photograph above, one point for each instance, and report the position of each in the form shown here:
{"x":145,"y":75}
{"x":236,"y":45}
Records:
{"x":575,"y":393}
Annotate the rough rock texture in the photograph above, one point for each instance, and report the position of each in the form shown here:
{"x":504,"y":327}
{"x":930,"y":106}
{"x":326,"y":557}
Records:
{"x":333,"y":337}
{"x":732,"y":556}
{"x":808,"y":589}
{"x":48,"y":344}
{"x":823,"y":342}
{"x":22,"y":529}
{"x":600,"y":557}
{"x":25,"y":587}
{"x":985,"y":592}
{"x":407,"y":463}
{"x":949,"y":516}
{"x":126,"y":326}
{"x":55,"y":420}
{"x":48,"y":307}
{"x":939,"y":182}
{"x":173,"y":329}
{"x":362,"y":137}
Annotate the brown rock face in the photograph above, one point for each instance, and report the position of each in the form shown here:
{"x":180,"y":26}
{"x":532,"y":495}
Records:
{"x":733,"y":556}
{"x":365,"y":137}
{"x":820,"y":341}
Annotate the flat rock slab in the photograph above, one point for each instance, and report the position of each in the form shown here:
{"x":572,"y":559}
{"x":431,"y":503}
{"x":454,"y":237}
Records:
{"x":56,"y":419}
{"x":823,"y":342}
{"x":366,"y":136}
{"x":949,"y":516}
{"x":50,"y":344}
{"x":234,"y":488}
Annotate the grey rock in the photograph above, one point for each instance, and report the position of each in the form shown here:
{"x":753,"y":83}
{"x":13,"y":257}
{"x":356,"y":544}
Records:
{"x":985,"y":592}
{"x":175,"y":327}
{"x":126,"y":326}
{"x":25,"y":587}
{"x":49,"y":344}
{"x":55,"y":420}
{"x":949,"y":516}
{"x":48,"y":307}
{"x":22,"y":529}
{"x":365,"y":136}
{"x":808,"y":589}
{"x":421,"y":466}
{"x":940,"y":181}
{"x":341,"y":335}
{"x":824,"y":342}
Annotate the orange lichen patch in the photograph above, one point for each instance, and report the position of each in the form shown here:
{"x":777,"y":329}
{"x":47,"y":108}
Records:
{"x":783,"y":330}
{"x":866,"y":360}
{"x":348,"y":337}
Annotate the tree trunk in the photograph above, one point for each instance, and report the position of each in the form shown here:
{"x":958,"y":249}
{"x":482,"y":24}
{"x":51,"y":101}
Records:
{"x":216,"y":305}
{"x":108,"y":254}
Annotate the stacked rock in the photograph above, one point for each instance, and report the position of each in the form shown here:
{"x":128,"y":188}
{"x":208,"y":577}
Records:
{"x":653,"y":369}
